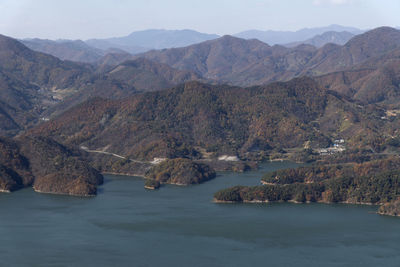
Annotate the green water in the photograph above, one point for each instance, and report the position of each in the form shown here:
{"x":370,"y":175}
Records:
{"x":126,"y":225}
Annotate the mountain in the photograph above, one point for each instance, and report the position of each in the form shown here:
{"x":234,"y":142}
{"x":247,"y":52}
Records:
{"x":106,"y":44}
{"x":126,"y":79}
{"x":110,"y":60}
{"x":285,"y":37}
{"x":366,"y":68}
{"x":195,"y":118}
{"x":142,"y":41}
{"x":14,"y":167}
{"x":320,"y":40}
{"x":22,"y":63}
{"x":237,"y":61}
{"x":375,"y":80}
{"x":66,"y":49}
{"x":362,"y":47}
{"x":45,"y":165}
{"x":127,"y":115}
{"x":146,"y":75}
{"x":251,"y":62}
{"x":35,"y":85}
{"x":30,"y":82}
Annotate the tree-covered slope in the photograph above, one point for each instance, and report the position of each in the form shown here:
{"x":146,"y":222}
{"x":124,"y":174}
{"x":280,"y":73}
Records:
{"x":221,"y":119}
{"x":45,"y":165}
{"x":376,"y":182}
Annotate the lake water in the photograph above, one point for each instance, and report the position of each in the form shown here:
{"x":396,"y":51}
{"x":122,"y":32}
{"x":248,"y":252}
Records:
{"x":125,"y":225}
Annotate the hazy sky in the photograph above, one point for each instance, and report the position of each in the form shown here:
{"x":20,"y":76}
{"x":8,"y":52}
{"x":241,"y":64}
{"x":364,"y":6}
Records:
{"x":84,"y":19}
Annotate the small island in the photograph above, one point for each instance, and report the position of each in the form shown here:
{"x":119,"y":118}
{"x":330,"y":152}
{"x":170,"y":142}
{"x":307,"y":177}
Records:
{"x":180,"y":171}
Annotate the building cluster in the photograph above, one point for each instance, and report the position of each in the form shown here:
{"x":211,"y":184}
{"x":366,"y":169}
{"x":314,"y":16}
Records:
{"x":338,"y":146}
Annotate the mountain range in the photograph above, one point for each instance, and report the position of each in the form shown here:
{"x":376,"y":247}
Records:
{"x":252,"y":62}
{"x":285,"y":37}
{"x":320,"y":40}
{"x":141,"y":41}
{"x":225,"y":96}
{"x":34,"y":84}
{"x":38,"y":85}
{"x":152,"y":39}
{"x":31,"y":82}
{"x":66,"y":49}
{"x":182,"y":121}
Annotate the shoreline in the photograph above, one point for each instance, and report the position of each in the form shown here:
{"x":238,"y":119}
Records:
{"x":124,"y":174}
{"x":296,"y":202}
{"x":63,"y":194}
{"x":385,"y":214}
{"x":141,"y":176}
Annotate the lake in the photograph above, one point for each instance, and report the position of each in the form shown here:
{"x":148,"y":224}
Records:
{"x":126,"y":225}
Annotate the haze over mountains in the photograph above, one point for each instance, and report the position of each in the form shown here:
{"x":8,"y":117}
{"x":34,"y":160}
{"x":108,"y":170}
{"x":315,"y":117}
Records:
{"x":152,"y":39}
{"x":66,"y":49}
{"x":251,"y":62}
{"x":286,"y":37}
{"x":138,"y":42}
{"x":320,"y":40}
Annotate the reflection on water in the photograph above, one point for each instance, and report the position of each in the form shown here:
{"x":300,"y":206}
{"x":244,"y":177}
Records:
{"x":126,"y":225}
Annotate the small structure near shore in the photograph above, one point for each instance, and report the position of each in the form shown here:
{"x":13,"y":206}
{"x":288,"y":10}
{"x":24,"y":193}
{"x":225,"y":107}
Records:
{"x":157,"y":160}
{"x":151,"y":184}
{"x":338,"y":146}
{"x":228,"y":158}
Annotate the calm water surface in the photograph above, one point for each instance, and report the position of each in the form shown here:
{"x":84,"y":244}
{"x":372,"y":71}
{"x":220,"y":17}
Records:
{"x":126,"y":225}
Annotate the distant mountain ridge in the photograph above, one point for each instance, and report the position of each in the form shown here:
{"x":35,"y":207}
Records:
{"x":141,"y":41}
{"x":375,"y":80}
{"x":237,"y":61}
{"x":320,"y":40}
{"x":251,"y":62}
{"x":76,"y":50}
{"x":284,"y":37}
{"x":362,"y":47}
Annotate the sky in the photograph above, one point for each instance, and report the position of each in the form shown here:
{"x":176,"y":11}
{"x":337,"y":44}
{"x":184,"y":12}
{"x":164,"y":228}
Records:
{"x":85,"y":19}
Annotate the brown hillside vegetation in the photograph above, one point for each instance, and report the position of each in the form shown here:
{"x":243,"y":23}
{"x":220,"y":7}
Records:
{"x":181,"y":172}
{"x":376,"y":182}
{"x":34,"y":84}
{"x":251,"y":62}
{"x":375,"y":80}
{"x":222,"y":119}
{"x":47,"y":166}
